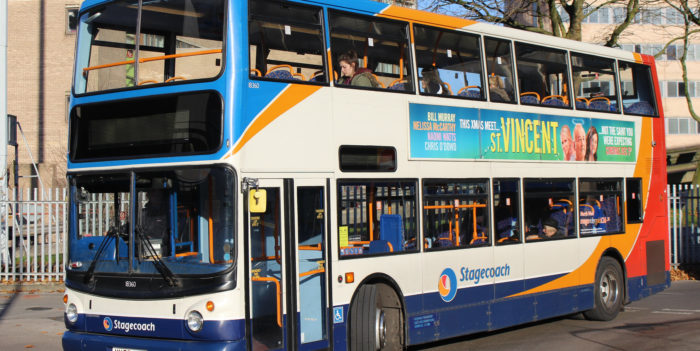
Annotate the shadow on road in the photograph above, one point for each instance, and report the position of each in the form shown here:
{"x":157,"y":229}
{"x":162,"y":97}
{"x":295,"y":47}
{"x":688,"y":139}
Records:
{"x":11,"y":299}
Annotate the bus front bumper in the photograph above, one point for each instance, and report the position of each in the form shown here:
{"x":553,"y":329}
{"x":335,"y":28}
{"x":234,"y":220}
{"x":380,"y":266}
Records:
{"x":88,"y":341}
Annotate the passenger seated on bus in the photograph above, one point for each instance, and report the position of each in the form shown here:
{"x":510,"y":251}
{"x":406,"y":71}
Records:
{"x":154,"y":220}
{"x":549,"y":230}
{"x":497,"y":89}
{"x":562,"y":212}
{"x":352,"y":74}
{"x":431,"y":82}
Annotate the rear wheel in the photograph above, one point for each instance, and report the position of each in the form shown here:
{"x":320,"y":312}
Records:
{"x":376,"y":319}
{"x":609,"y":291}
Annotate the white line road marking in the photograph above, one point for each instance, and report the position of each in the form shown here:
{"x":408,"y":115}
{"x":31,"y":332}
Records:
{"x":670,"y":312}
{"x":680,"y":310}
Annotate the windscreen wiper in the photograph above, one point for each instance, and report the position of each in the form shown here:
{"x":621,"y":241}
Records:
{"x":167,"y":274}
{"x":111,"y":234}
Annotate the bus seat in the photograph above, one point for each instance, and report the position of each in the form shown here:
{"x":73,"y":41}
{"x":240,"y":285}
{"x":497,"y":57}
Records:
{"x":279,"y":74}
{"x":613,"y":107}
{"x":400,"y":86}
{"x":562,"y":212}
{"x":471,"y":91}
{"x":530,"y":98}
{"x":444,"y":240}
{"x":379,"y":246}
{"x":609,"y":210}
{"x":480,"y":238}
{"x":391,"y":230}
{"x":554,"y":100}
{"x":599,"y":104}
{"x":640,"y":108}
{"x":505,"y":228}
{"x":581,"y":103}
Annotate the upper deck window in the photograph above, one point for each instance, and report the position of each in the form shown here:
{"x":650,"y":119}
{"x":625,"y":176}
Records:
{"x":286,"y":42}
{"x":594,"y":83}
{"x":377,"y":49}
{"x":449,"y":63}
{"x":179,"y":40}
{"x":637,"y":89}
{"x":499,"y":63}
{"x":542,"y":76}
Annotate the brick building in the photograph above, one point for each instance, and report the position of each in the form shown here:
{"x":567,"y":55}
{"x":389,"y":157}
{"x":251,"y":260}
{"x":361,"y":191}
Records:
{"x":41,"y":43}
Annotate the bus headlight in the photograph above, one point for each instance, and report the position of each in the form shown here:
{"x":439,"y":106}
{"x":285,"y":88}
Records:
{"x":72,"y":313}
{"x":195,"y":321}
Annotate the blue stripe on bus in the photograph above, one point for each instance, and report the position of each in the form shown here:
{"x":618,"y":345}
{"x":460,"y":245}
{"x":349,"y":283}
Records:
{"x":81,"y":341}
{"x":225,"y":330}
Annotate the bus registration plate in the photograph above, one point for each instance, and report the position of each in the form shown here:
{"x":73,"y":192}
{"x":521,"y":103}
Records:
{"x":125,"y":349}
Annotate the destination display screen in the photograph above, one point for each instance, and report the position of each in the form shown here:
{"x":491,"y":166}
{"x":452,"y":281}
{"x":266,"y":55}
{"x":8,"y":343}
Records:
{"x":153,"y":126}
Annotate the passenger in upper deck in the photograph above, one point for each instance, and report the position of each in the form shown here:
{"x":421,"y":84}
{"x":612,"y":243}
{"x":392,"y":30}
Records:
{"x":352,"y":74}
{"x":431,"y":82}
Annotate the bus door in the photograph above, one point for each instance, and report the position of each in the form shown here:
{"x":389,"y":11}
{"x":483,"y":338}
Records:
{"x":287,"y":265}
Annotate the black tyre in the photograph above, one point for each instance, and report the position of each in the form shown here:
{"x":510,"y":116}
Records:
{"x":376,"y":320}
{"x":609,"y":291}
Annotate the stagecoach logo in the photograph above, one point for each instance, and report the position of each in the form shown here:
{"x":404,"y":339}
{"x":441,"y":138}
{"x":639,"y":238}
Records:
{"x":447,"y":285}
{"x":107,"y":323}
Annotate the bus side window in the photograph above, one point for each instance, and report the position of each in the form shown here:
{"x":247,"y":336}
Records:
{"x":376,"y":217}
{"x":637,"y":89}
{"x":542,"y":75}
{"x":506,"y":214}
{"x":499,"y":66}
{"x":635,"y":209}
{"x":455,"y":213}
{"x":549,"y":210}
{"x":381,"y":46}
{"x":449,"y":63}
{"x":286,"y":42}
{"x":594,"y":83}
{"x":600,"y":202}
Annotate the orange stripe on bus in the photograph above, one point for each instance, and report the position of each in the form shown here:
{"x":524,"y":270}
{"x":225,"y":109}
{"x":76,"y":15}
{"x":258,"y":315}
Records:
{"x":585,"y":274}
{"x":418,"y":16}
{"x":637,"y":57}
{"x":289,"y":98}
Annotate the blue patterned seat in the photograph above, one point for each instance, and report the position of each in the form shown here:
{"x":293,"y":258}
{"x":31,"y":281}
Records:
{"x":613,"y":107}
{"x":581,"y":105}
{"x":472,"y":93}
{"x":599,"y":105}
{"x":640,"y":108}
{"x":554,"y":101}
{"x":399,"y":87}
{"x":529,"y":100}
{"x":279,"y":74}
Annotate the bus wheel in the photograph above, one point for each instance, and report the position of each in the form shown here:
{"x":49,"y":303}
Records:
{"x":609,"y":291}
{"x":376,"y":320}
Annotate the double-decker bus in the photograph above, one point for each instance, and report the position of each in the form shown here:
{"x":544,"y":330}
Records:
{"x":325,"y":174}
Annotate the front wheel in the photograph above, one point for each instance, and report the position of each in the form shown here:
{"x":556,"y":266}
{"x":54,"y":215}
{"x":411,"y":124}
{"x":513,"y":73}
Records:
{"x":609,"y":291}
{"x":376,"y":319}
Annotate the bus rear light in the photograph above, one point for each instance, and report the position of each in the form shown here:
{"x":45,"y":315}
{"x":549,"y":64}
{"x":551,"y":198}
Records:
{"x":349,"y":277}
{"x":210,"y":306}
{"x":76,"y":264}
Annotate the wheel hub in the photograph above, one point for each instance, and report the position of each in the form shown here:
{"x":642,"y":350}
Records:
{"x":380,"y":330}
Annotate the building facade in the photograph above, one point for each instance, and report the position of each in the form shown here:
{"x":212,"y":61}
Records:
{"x":40,"y":49}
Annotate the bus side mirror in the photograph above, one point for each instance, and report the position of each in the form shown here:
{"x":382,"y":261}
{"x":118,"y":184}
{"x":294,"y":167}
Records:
{"x":257,"y":201}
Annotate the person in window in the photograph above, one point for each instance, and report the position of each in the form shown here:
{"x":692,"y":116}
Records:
{"x":431,"y":82}
{"x":549,"y":230}
{"x":592,"y":144}
{"x":352,"y":74}
{"x":497,"y":89}
{"x":154,"y":220}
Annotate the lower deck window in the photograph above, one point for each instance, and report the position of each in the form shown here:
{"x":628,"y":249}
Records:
{"x":376,"y":217}
{"x":455,"y":213}
{"x":600,"y":210}
{"x":549,"y":210}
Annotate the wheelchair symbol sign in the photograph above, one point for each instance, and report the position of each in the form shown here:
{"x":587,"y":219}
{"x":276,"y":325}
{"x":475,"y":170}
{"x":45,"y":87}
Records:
{"x":337,"y":315}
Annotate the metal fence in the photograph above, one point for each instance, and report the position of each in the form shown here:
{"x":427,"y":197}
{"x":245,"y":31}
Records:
{"x":684,"y":232}
{"x":33,"y":229}
{"x":32,"y":235}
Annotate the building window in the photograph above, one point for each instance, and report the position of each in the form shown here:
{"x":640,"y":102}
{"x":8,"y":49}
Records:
{"x":682,"y":125}
{"x":71,"y":19}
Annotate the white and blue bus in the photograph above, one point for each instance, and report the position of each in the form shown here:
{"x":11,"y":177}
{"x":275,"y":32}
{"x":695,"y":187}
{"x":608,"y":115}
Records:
{"x":325,"y":174}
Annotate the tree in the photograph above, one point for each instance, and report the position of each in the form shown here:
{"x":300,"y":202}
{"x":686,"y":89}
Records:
{"x":542,"y":16}
{"x":691,"y":20}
